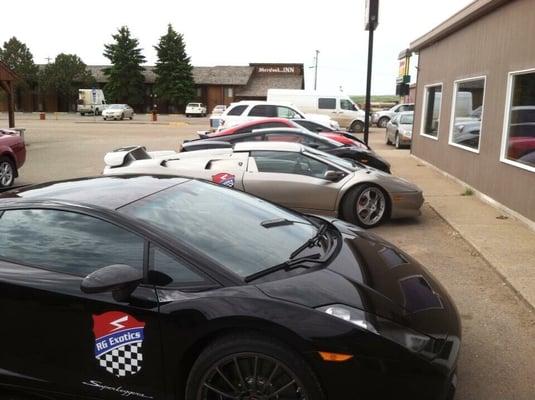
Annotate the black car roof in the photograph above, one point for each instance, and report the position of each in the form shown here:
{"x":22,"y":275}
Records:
{"x":110,"y":192}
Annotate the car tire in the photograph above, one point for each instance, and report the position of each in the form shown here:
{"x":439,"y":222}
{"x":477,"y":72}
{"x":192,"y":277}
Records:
{"x":122,"y":116}
{"x":358,"y":210}
{"x":387,"y":139}
{"x":243,"y":351}
{"x":82,"y":114}
{"x":383,"y":121}
{"x":397,"y":142}
{"x":131,"y":117}
{"x":357,"y":127}
{"x":7,"y":172}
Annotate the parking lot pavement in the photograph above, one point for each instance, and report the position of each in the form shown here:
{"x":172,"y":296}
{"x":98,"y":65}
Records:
{"x":497,"y":355}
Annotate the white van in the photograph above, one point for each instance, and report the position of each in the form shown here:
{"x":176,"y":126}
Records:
{"x":91,"y":101}
{"x":337,"y":106}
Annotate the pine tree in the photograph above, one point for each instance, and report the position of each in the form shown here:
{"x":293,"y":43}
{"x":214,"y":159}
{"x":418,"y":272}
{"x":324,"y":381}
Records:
{"x":174,"y":77}
{"x":19,"y":58}
{"x":126,"y":83}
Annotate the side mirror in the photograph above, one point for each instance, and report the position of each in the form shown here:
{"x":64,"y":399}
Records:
{"x":313,"y":145}
{"x":333,"y":175}
{"x":119,"y":279}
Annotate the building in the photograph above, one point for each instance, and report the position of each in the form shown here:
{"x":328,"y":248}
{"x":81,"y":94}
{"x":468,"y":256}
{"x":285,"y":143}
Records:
{"x":214,"y":85}
{"x":475,"y":101}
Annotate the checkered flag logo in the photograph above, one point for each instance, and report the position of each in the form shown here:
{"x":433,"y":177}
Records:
{"x":118,"y":343}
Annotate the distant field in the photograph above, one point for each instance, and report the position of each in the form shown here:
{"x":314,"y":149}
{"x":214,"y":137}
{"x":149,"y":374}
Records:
{"x":376,"y":99}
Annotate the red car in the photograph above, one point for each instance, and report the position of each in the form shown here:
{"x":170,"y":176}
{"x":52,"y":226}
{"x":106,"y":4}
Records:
{"x":12,"y":156}
{"x":340,"y":136}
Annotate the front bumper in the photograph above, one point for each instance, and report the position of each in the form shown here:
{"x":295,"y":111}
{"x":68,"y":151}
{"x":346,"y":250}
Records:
{"x":406,"y":204}
{"x":405,"y":139}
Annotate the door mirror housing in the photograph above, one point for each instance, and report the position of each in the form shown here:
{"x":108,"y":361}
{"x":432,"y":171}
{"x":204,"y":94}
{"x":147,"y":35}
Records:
{"x":333,"y":175}
{"x":119,"y":279}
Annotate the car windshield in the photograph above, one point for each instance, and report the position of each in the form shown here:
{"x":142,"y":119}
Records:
{"x":224,"y":224}
{"x":341,"y":162}
{"x":406,"y":119}
{"x":193,"y":105}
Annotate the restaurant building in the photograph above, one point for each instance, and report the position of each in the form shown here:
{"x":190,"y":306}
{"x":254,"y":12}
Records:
{"x":214,"y":85}
{"x":475,"y":101}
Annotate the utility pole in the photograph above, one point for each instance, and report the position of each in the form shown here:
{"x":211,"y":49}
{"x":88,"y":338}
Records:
{"x":371,"y":21}
{"x":316,"y":70}
{"x":48,"y":59}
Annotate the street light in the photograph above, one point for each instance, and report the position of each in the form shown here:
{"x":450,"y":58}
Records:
{"x":371,"y":21}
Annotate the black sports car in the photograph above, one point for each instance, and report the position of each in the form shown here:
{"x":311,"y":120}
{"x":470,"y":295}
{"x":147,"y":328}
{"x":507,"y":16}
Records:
{"x":362,"y":155}
{"x":157,"y":287}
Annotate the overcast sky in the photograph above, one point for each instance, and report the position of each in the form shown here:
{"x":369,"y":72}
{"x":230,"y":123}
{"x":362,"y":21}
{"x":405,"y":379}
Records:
{"x":237,"y":32}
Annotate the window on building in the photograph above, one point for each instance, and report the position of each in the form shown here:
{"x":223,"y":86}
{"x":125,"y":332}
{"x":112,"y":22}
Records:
{"x":237,"y":110}
{"x":327,"y":104}
{"x":229,"y":92}
{"x":431,"y":112}
{"x":467,"y":112}
{"x":198,"y":92}
{"x":519,"y":146}
{"x":66,"y":242}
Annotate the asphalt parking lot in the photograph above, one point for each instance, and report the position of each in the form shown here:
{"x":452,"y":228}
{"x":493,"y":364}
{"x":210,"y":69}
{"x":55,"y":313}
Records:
{"x":497,"y":356}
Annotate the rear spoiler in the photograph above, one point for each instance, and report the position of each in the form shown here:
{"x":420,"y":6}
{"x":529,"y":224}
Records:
{"x":125,"y":155}
{"x":206,"y":145}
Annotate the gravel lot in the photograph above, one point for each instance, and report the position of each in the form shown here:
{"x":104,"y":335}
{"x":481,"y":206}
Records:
{"x":498,"y":354}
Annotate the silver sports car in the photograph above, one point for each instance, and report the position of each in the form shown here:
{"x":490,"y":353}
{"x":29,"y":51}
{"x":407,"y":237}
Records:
{"x":293,"y":175}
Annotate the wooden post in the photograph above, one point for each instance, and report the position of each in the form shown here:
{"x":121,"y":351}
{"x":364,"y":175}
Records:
{"x":11,"y":104}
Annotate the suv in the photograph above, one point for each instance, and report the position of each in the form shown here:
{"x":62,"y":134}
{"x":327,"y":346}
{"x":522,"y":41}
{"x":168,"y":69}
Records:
{"x":195,"y":109}
{"x":245,"y":111}
{"x":381,"y":118}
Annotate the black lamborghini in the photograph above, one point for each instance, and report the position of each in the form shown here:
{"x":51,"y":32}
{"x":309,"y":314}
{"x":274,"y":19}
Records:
{"x":158,"y":287}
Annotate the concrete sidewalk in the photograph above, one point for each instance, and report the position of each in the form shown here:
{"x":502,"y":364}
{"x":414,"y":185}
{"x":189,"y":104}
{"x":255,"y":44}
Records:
{"x":504,"y":242}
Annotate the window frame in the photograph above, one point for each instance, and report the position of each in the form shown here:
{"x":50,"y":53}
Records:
{"x":426,"y":97}
{"x":452,"y":116}
{"x":506,"y":118}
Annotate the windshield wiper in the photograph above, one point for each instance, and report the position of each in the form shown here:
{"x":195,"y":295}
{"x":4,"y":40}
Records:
{"x":313,"y":241}
{"x":287,"y":265}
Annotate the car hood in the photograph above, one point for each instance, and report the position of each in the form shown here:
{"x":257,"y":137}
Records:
{"x":373,"y":275}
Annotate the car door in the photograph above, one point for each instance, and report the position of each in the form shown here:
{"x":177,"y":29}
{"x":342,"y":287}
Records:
{"x":57,"y":338}
{"x":293,"y":179}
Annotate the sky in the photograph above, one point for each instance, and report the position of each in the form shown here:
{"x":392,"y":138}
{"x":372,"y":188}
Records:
{"x":237,"y":32}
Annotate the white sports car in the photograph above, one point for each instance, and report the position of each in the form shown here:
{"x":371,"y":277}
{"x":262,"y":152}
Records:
{"x":293,"y":175}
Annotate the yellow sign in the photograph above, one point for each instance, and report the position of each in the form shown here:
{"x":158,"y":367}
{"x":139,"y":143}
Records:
{"x":404,"y":67}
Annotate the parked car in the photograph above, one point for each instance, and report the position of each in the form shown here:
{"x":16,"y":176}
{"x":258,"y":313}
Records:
{"x":245,"y":111}
{"x":155,"y":287}
{"x":381,"y":118}
{"x":118,"y":112}
{"x":399,"y":129}
{"x":195,"y":109}
{"x":315,"y":127}
{"x":12,"y":156}
{"x":297,"y":135}
{"x":290,"y":174}
{"x":219,"y":109}
{"x":336,"y":105}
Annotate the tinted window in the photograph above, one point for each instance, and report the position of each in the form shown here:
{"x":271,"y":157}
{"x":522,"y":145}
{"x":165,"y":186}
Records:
{"x":468,"y":99}
{"x":66,"y":242}
{"x":237,"y":110}
{"x":224,"y":224}
{"x":289,"y":163}
{"x":177,"y":270}
{"x":433,"y":99}
{"x":520,"y":140}
{"x":327,"y":104}
{"x":407,"y":107}
{"x":262,"y":110}
{"x":262,"y":126}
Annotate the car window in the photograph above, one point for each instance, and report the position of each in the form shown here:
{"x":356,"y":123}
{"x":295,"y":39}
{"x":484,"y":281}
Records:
{"x":289,"y":163}
{"x":177,"y":270}
{"x":307,"y":140}
{"x":406,"y":119}
{"x":262,"y":110}
{"x":66,"y":242}
{"x":347,"y":105}
{"x":327,"y":103}
{"x":286,"y":112}
{"x":237,"y":110}
{"x":262,"y":126}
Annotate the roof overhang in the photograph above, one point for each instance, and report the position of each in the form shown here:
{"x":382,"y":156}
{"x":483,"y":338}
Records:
{"x":6,"y":73}
{"x":467,"y":15}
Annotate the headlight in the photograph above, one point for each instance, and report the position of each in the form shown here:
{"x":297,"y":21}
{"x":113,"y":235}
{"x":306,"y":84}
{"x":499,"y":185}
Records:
{"x":405,"y":337}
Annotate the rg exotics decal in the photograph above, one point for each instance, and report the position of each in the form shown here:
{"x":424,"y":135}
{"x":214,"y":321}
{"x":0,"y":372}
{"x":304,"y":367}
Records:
{"x":224,"y":179}
{"x":119,"y":389}
{"x":118,"y":342}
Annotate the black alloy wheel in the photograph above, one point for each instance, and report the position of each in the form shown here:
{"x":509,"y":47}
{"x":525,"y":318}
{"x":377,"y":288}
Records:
{"x":250,"y":367}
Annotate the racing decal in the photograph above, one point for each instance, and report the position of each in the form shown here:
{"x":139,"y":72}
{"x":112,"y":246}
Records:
{"x":224,"y":179}
{"x":118,"y":342}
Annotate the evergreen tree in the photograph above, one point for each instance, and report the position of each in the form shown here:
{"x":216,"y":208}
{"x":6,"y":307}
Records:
{"x":174,"y":78}
{"x":19,"y":58}
{"x":125,"y":76}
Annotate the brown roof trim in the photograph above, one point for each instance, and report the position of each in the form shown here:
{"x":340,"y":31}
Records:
{"x":5,"y":69}
{"x":467,"y":15}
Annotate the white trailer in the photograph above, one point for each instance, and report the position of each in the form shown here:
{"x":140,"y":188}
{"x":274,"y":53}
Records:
{"x":91,"y":101}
